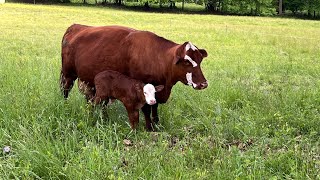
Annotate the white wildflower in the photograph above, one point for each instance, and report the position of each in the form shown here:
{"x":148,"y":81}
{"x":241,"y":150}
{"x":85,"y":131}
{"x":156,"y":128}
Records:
{"x":6,"y":149}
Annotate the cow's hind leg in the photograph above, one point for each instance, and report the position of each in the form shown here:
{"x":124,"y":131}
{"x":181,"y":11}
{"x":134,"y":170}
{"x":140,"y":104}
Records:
{"x":66,"y":84}
{"x":87,"y":90}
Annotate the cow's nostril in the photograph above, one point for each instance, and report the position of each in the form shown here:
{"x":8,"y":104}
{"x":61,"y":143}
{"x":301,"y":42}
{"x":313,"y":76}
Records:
{"x":204,"y":85}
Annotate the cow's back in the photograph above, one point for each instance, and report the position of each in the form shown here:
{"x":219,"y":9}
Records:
{"x":150,"y":56}
{"x":138,"y":54}
{"x":94,"y":49}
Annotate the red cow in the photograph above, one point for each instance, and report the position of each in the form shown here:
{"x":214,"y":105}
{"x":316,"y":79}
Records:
{"x":132,"y":93}
{"x":142,"y":55}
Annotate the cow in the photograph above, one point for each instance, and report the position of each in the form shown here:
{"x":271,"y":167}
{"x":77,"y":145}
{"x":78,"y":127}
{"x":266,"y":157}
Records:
{"x":142,"y":55}
{"x":132,"y":93}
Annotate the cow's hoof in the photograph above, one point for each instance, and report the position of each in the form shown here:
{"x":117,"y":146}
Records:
{"x":155,"y":119}
{"x":149,"y":128}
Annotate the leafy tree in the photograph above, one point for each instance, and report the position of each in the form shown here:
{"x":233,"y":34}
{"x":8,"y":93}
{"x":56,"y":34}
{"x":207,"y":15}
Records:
{"x":294,"y":5}
{"x":312,"y":6}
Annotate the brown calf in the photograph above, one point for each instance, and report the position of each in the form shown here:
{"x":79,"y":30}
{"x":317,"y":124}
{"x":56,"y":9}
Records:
{"x":132,"y":93}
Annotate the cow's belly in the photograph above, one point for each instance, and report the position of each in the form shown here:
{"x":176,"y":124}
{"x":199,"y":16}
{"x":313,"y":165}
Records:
{"x":90,"y":63}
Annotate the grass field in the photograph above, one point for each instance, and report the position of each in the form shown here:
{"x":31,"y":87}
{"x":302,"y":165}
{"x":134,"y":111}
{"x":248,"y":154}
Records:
{"x":258,"y":119}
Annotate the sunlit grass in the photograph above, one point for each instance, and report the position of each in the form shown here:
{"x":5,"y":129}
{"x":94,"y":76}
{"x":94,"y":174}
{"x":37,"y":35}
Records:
{"x":258,"y":119}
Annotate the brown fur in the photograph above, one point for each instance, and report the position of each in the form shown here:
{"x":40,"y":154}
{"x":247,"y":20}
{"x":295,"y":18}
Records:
{"x":142,"y":55}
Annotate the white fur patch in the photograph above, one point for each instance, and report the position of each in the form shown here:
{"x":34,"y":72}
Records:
{"x":190,"y":46}
{"x":194,"y":64}
{"x":149,"y":93}
{"x":189,"y":79}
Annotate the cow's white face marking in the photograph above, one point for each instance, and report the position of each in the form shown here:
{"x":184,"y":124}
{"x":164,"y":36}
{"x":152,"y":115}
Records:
{"x":189,"y":79}
{"x":190,"y":46}
{"x":194,"y":64}
{"x":149,"y":93}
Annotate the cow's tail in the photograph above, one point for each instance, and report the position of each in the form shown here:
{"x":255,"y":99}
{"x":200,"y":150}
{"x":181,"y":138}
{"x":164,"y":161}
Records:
{"x":67,"y":74}
{"x":63,"y":46}
{"x":65,"y":58}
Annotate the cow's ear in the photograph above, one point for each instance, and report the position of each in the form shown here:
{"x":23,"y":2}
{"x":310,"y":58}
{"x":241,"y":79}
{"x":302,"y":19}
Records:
{"x":159,"y":88}
{"x":203,"y":53}
{"x":180,"y":53}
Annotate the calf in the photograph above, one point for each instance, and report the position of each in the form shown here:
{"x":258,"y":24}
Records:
{"x":132,"y":93}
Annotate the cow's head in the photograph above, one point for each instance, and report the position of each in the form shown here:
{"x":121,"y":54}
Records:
{"x":186,"y":67}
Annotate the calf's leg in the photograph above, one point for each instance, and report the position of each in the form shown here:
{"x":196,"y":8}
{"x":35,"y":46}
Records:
{"x":133,"y":115}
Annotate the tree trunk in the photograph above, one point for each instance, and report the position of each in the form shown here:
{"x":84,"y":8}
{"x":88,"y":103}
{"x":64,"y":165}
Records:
{"x":280,"y":7}
{"x":223,"y":7}
{"x":182,"y":4}
{"x":309,"y":13}
{"x":172,"y":4}
{"x":146,"y":5}
{"x":309,"y":8}
{"x":257,"y":11}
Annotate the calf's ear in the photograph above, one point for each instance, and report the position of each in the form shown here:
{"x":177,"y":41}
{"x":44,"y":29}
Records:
{"x":159,"y":88}
{"x":137,"y":87}
{"x":203,"y":53}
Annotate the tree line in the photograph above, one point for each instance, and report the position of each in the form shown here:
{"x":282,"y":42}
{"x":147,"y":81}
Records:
{"x":307,"y":8}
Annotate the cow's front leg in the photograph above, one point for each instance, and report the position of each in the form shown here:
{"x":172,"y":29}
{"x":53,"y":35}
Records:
{"x":146,"y":109}
{"x":154,"y":109}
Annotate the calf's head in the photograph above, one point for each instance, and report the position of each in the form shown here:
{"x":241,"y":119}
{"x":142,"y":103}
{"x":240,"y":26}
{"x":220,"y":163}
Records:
{"x":186,"y":66}
{"x":149,"y":93}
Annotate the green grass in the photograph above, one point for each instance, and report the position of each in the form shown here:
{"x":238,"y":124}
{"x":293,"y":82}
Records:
{"x":258,"y":119}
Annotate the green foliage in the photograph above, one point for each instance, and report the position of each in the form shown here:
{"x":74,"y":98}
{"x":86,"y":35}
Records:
{"x":311,"y":8}
{"x":242,"y":7}
{"x":258,"y":119}
{"x":303,"y":6}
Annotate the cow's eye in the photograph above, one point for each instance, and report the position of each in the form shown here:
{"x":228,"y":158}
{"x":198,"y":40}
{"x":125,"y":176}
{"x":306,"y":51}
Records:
{"x":187,"y":63}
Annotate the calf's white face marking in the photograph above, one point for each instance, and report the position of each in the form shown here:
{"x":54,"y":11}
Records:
{"x":149,"y":92}
{"x":189,"y":79}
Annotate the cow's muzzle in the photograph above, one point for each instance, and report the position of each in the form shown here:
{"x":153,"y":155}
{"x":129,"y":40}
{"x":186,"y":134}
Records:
{"x":201,"y":86}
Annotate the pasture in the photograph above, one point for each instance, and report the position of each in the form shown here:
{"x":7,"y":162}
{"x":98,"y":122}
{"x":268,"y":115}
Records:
{"x":258,"y":119}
